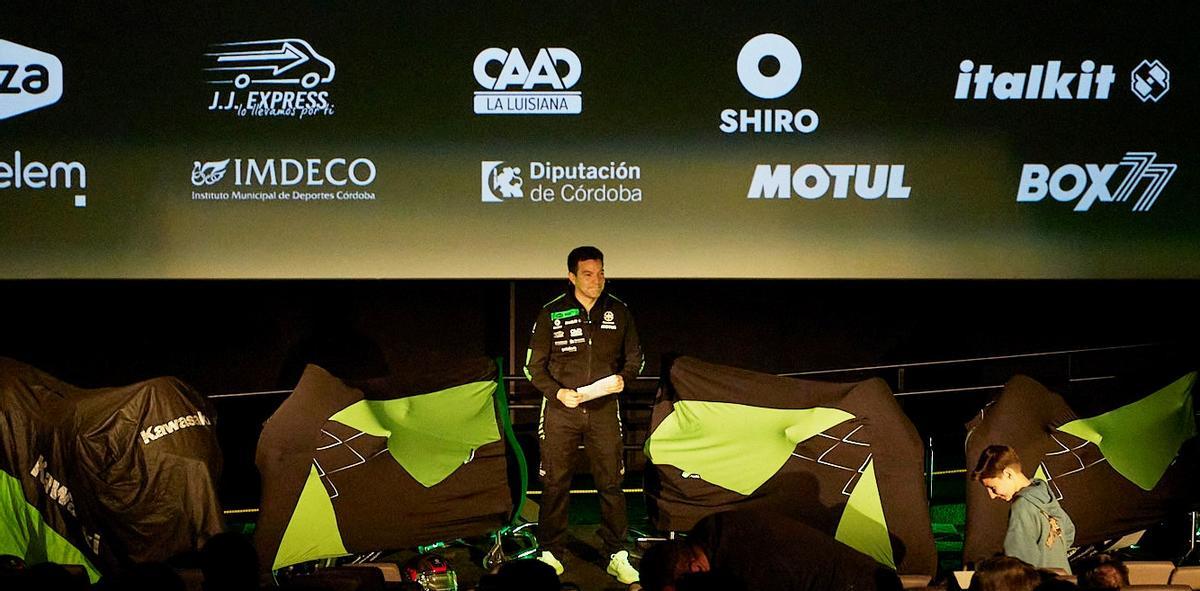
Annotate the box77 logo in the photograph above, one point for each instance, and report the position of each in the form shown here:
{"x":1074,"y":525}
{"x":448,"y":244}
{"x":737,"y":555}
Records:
{"x":1090,"y":183}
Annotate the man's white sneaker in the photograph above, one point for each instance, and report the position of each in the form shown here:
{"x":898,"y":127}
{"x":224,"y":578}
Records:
{"x":548,"y":557}
{"x":619,"y":567}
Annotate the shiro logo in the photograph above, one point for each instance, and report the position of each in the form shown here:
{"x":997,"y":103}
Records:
{"x":498,"y":178}
{"x":276,"y":63}
{"x":514,"y":88}
{"x":1150,"y":81}
{"x":776,"y":50}
{"x":1090,"y":183}
{"x":813,"y":181}
{"x":29,"y":79}
{"x":1048,"y":82}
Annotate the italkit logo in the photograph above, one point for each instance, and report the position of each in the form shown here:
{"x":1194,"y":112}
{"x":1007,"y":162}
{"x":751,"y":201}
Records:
{"x":29,"y":79}
{"x":783,"y":67}
{"x":814,"y":181}
{"x":504,"y":181}
{"x":1149,"y":81}
{"x":270,"y":78}
{"x":308,"y":179}
{"x":1091,"y":183}
{"x":513,"y":87}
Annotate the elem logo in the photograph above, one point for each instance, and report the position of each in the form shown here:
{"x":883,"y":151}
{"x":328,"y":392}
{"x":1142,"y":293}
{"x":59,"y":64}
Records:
{"x":29,"y":79}
{"x":1089,"y":183}
{"x":514,"y":88}
{"x":495,"y":178}
{"x":780,"y":53}
{"x":1150,"y":81}
{"x":274,"y":63}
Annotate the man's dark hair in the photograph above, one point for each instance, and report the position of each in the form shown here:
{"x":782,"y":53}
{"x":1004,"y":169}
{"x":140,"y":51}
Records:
{"x":583,"y":253}
{"x":664,"y":562}
{"x":994,"y":460}
{"x":1004,"y":573}
{"x":1103,"y":572}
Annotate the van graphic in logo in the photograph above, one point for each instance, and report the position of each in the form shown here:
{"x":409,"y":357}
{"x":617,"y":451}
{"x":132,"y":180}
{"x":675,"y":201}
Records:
{"x":285,"y":75}
{"x":276,"y":61}
{"x":499,"y":183}
{"x":29,"y":79}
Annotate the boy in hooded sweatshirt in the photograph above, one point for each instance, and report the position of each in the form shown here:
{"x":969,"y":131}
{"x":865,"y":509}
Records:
{"x":1039,"y":531}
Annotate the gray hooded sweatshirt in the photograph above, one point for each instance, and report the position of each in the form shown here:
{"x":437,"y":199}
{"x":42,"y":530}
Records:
{"x":1039,"y":531}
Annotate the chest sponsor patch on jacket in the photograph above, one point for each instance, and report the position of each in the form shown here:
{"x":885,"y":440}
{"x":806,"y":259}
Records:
{"x":564,"y":314}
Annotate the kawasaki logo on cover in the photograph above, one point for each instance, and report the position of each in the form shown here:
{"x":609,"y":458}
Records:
{"x":169,"y":427}
{"x":56,"y":490}
{"x":564,"y":314}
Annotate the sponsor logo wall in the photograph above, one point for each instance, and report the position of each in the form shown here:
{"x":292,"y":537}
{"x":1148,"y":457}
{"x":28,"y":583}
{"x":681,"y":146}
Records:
{"x":927,"y":138}
{"x":31,"y":80}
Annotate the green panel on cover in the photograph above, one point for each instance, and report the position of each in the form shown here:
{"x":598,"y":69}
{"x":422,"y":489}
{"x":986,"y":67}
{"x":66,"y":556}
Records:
{"x":735,"y":446}
{"x":24,"y":533}
{"x":1040,"y":473}
{"x":1140,"y":440}
{"x":863,"y":526}
{"x":313,"y":531}
{"x":430,"y":435}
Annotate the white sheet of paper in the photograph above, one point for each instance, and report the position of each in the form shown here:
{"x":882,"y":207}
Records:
{"x":597,"y":388}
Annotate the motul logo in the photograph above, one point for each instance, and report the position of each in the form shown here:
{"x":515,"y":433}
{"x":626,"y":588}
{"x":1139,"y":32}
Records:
{"x":159,"y":431}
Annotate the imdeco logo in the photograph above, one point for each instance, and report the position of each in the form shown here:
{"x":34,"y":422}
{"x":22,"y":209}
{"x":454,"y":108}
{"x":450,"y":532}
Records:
{"x":511,"y":86}
{"x":306,"y":179}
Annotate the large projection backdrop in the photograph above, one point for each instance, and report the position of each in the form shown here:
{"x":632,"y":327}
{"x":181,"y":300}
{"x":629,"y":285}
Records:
{"x":768,"y":139}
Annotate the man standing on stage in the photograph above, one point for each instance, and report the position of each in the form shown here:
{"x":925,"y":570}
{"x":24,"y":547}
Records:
{"x":583,"y":351}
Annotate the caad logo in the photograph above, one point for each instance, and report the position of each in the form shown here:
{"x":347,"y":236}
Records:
{"x":757,"y":52}
{"x":310,"y":173}
{"x":1150,"y":81}
{"x":813,"y":181}
{"x":514,"y":88}
{"x":275,"y":63}
{"x":498,"y":178}
{"x":1090,"y":182}
{"x":29,"y":79}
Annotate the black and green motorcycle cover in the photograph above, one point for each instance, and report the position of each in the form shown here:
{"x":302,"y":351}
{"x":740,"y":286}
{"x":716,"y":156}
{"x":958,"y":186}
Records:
{"x":842,"y":458}
{"x":390,"y":463}
{"x":104,"y":477}
{"x":1115,"y":470}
